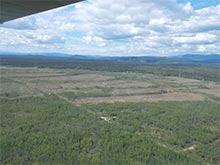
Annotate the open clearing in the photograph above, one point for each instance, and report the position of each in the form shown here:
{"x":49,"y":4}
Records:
{"x":129,"y":91}
{"x":113,"y":87}
{"x":143,"y":98}
{"x":63,"y":77}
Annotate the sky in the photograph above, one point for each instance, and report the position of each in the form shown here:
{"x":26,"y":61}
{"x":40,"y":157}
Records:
{"x":119,"y":28}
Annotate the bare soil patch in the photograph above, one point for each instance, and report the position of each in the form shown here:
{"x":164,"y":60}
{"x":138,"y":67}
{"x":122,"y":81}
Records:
{"x":145,"y":98}
{"x":215,"y":92}
{"x":189,"y":148}
{"x":85,"y":77}
{"x":127,"y":91}
{"x":182,"y":80}
{"x":113,"y":84}
{"x":34,"y":75}
{"x":46,"y":88}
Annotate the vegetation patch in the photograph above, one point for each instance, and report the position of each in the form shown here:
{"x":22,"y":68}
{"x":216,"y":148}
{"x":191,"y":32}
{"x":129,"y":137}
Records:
{"x":78,"y":95}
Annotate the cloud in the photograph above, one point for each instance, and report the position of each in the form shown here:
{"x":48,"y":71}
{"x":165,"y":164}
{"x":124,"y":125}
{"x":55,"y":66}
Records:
{"x":94,"y":40}
{"x":112,"y":27}
{"x":161,"y":25}
{"x":199,"y":38}
{"x":46,"y":39}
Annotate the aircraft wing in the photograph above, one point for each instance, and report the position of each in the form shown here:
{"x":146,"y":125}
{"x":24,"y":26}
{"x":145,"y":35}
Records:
{"x":12,"y":9}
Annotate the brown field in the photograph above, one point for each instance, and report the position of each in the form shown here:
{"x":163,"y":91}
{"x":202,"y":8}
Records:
{"x":113,"y":87}
{"x":34,"y":75}
{"x":142,"y":98}
{"x":215,"y":92}
{"x":182,"y":80}
{"x":110,"y":84}
{"x":127,"y":91}
{"x":63,"y":77}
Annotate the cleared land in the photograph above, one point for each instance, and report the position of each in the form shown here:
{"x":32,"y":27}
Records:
{"x":112,"y":87}
{"x":143,"y":98}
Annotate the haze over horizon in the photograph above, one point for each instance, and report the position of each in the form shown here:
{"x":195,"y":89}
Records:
{"x":126,"y":27}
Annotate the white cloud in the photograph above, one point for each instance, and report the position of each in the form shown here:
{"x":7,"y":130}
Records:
{"x":112,"y":27}
{"x":94,"y":40}
{"x":188,"y":8}
{"x":199,"y":38}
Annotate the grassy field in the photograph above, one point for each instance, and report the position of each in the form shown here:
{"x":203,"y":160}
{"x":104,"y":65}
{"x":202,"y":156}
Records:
{"x":79,"y":116}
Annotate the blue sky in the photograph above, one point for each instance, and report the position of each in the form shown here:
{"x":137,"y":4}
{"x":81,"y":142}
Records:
{"x":199,"y":4}
{"x":125,"y":27}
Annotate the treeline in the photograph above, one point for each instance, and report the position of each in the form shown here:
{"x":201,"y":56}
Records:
{"x":201,"y":72}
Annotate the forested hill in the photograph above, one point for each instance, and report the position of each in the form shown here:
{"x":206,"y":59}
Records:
{"x":200,"y":59}
{"x":212,"y":59}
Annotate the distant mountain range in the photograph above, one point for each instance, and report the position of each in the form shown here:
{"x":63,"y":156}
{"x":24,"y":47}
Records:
{"x":201,"y":59}
{"x":187,"y":58}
